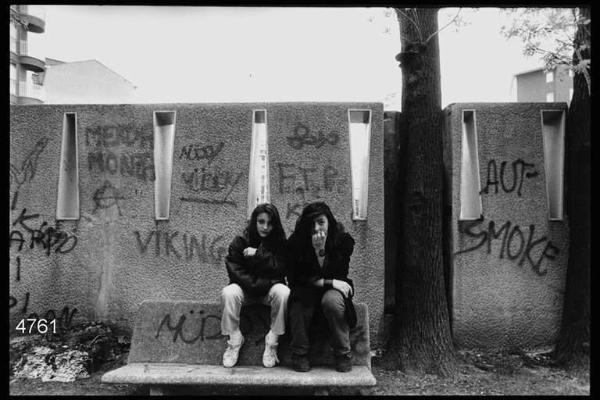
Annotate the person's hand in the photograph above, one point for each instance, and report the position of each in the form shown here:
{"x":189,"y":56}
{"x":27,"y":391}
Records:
{"x":318,"y":240}
{"x":342,"y":286}
{"x":249,"y":251}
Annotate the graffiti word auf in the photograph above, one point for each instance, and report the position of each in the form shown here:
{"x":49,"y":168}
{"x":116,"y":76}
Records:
{"x":195,"y":152}
{"x":114,"y":135}
{"x":166,"y":243}
{"x":302,"y":137}
{"x":138,"y":165}
{"x":517,"y":243}
{"x":519,"y":171}
{"x":49,"y":238}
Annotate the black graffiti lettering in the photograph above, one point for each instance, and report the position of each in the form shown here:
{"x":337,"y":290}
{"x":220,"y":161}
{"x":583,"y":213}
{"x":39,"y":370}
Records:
{"x":217,"y":325}
{"x":519,"y":171}
{"x":16,"y":236}
{"x":143,"y":246}
{"x":211,"y":181}
{"x":12,"y":301}
{"x":120,"y":134}
{"x":18,"y":269}
{"x":466,"y":229}
{"x":24,"y":217}
{"x":169,"y":244}
{"x":282,"y":176}
{"x":61,"y":248}
{"x":137,"y":165}
{"x":302,"y":137}
{"x":26,"y":305}
{"x":107,"y":196}
{"x":177,"y":330}
{"x":214,"y":253}
{"x":492,"y":234}
{"x":306,"y":177}
{"x":194,"y":152}
{"x":515,"y":230}
{"x":514,"y":243}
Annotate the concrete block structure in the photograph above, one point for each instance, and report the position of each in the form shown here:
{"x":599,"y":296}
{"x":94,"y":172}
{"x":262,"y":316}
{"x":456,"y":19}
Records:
{"x":507,"y":232}
{"x":112,"y":205}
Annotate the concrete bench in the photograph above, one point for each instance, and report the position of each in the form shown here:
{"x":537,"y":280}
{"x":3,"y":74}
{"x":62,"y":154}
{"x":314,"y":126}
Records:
{"x":180,"y":343}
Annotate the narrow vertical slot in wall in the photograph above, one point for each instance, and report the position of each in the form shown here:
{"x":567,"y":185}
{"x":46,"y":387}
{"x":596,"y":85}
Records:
{"x":470,"y":185}
{"x":359,"y":123}
{"x":67,"y":204}
{"x":258,"y":178}
{"x":553,"y":132}
{"x":164,"y":138}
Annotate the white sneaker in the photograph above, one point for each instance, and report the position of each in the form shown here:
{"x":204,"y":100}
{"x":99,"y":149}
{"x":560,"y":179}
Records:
{"x":230,"y":357}
{"x":270,"y":355}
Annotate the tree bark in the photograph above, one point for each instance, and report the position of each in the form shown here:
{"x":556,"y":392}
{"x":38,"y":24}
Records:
{"x":421,"y":338}
{"x":575,"y":326}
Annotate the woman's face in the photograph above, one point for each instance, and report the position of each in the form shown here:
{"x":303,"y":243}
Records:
{"x":320,"y":224}
{"x":264,"y":225}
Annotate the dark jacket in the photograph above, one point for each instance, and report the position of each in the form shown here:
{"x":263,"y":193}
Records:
{"x":255,"y":274}
{"x":304,"y":269}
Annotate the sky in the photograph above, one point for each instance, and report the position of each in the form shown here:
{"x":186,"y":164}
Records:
{"x":256,"y":54}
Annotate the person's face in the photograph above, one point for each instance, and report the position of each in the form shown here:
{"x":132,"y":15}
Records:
{"x":264,"y":225}
{"x":320,"y":224}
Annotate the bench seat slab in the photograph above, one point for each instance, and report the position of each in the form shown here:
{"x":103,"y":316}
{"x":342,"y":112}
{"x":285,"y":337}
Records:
{"x":194,"y":374}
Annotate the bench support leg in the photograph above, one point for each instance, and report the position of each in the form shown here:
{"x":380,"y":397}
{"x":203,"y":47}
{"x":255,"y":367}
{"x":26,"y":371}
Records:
{"x":156,"y":390}
{"x":321,"y":391}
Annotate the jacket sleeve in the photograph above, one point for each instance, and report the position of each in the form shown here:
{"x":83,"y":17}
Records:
{"x":346,"y":250}
{"x":240,"y":270}
{"x":272,"y":263}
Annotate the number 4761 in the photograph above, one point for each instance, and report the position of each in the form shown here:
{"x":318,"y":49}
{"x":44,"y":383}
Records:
{"x":41,"y":325}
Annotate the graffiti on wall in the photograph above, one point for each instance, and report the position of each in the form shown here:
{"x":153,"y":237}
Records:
{"x":107,"y":196}
{"x":303,"y":137}
{"x":509,"y":178}
{"x":185,"y":246}
{"x":44,"y":236}
{"x":21,"y":174}
{"x":123,"y":149}
{"x":303,"y":184}
{"x":204,"y":180}
{"x":209,"y":327}
{"x":63,"y":318}
{"x":518,"y":244}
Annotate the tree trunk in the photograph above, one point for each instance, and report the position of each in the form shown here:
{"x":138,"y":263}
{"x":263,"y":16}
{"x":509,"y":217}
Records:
{"x":575,"y":327}
{"x":421,"y":338}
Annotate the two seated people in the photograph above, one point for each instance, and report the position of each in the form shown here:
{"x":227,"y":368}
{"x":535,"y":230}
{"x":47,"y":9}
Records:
{"x":315,"y":259}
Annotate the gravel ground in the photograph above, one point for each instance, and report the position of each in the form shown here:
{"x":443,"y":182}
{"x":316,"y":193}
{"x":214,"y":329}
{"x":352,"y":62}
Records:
{"x":494,"y":377}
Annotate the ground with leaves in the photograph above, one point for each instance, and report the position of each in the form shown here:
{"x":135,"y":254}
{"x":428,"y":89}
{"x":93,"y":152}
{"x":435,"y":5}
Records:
{"x":101,"y":348}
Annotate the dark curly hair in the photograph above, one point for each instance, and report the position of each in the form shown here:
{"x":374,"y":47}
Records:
{"x":276,"y":238}
{"x":301,"y":239}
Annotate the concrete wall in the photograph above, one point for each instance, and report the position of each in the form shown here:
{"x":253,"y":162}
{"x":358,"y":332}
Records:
{"x":508,"y":267}
{"x":116,"y":255}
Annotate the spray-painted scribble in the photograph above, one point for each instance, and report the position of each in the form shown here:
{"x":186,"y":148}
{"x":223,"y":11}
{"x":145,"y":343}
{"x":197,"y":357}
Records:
{"x":47,"y":237}
{"x":520,"y":170}
{"x":302,"y":137}
{"x":26,"y":171}
{"x":107,"y":196}
{"x":184,"y":246}
{"x":196,"y":152}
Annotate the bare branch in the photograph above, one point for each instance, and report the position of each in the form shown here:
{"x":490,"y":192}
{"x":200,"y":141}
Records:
{"x":402,"y":13}
{"x":444,"y":27}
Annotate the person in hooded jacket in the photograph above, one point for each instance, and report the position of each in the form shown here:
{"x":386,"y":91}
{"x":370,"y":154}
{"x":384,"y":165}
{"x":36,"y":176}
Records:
{"x":319,"y":253}
{"x":256,"y":270}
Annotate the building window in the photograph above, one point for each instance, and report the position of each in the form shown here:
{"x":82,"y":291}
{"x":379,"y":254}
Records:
{"x":13,"y":79}
{"x":553,"y":130}
{"x":67,"y":205}
{"x":164,"y":138}
{"x":360,"y":138}
{"x":549,"y":76}
{"x":258,"y":178}
{"x":550,"y":97}
{"x":470,"y":186}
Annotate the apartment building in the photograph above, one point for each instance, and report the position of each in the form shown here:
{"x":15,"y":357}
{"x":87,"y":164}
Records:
{"x":27,"y":61}
{"x":539,"y":85}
